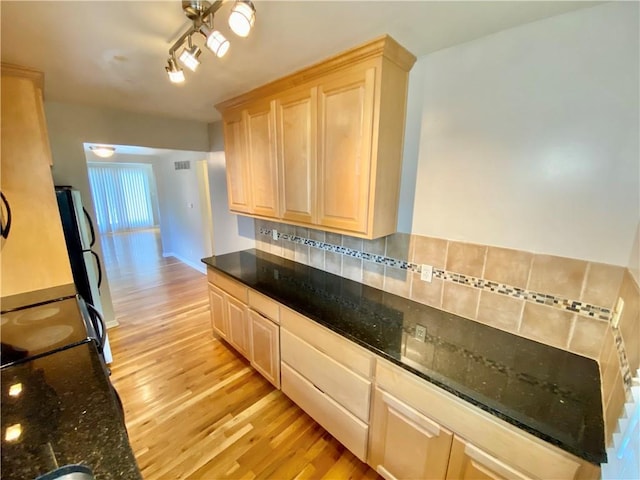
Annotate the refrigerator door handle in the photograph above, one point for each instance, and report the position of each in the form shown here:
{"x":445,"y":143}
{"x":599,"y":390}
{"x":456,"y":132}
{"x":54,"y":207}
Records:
{"x":91,"y":229}
{"x":95,"y":255}
{"x":4,"y":229}
{"x":98,"y":324}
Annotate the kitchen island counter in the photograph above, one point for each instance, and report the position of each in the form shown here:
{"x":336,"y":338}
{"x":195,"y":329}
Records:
{"x":547,"y":392}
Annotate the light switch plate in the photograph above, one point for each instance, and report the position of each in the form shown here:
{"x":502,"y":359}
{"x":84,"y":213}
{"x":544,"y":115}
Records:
{"x":426,"y":273}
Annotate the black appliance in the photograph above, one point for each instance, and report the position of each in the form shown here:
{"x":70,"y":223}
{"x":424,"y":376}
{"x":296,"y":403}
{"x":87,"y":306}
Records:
{"x":80,"y":237}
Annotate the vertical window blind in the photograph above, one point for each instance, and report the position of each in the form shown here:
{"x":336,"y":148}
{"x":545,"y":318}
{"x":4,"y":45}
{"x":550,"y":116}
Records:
{"x":122,"y":196}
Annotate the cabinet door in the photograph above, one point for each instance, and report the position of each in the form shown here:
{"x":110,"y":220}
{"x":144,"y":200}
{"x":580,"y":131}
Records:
{"x":469,"y":462}
{"x":237,"y":167}
{"x":265,"y":347}
{"x":34,"y":256}
{"x":238,"y":318}
{"x":404,"y":443}
{"x":260,"y":150}
{"x":296,"y":117}
{"x":345,"y":123}
{"x":217,"y":305}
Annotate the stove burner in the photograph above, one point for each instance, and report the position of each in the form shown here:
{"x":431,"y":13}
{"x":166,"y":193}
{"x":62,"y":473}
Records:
{"x":47,"y":336}
{"x":36,"y":315}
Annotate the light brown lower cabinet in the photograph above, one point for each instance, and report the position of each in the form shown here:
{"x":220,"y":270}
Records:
{"x":238,"y":318}
{"x":265,"y":347}
{"x":468,"y":462}
{"x":250,"y":332}
{"x":405,"y":444}
{"x":218,"y":311}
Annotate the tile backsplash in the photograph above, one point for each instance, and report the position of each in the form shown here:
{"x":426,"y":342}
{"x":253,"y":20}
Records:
{"x":559,"y":301}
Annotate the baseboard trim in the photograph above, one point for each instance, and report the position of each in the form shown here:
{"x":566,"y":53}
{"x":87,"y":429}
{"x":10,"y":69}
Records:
{"x":199,"y":267}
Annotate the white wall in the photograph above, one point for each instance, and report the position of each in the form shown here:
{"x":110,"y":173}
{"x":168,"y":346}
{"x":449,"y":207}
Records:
{"x":230,"y":232}
{"x":529,"y":137}
{"x":184,"y":234}
{"x":69,"y":126}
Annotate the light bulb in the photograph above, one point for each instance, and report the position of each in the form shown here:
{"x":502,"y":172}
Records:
{"x":189,"y":57}
{"x":242,"y":17}
{"x":176,"y":74}
{"x":217,"y":43}
{"x":103,"y":151}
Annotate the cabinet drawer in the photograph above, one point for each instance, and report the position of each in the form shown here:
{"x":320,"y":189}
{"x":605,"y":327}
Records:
{"x":346,"y":428}
{"x":343,"y":351}
{"x":346,"y":387}
{"x":229,"y":285}
{"x":264,"y":305}
{"x":503,"y":441}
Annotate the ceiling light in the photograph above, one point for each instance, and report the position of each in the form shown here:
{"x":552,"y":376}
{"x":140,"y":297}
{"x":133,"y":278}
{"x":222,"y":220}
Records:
{"x":15,"y":390}
{"x":189,"y":57}
{"x":103,"y":151}
{"x":242,"y":17}
{"x":216,"y":42}
{"x":201,"y":13}
{"x":176,"y":74}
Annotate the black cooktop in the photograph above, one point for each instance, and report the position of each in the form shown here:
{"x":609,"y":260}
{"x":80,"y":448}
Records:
{"x":550,"y":393}
{"x":32,"y":331}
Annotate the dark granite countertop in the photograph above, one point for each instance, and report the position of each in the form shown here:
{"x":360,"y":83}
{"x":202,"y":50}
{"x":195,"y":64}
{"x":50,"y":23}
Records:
{"x":548,"y":392}
{"x":67,"y":414}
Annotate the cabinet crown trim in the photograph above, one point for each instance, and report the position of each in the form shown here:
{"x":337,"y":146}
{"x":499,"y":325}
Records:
{"x":19,"y":71}
{"x":383,"y":46}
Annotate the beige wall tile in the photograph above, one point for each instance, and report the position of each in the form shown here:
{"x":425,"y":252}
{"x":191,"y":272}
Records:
{"x":302,"y":232}
{"x":466,"y":258}
{"x":352,"y":268}
{"x":333,"y":238}
{"x":352,"y":243}
{"x":316,"y":235}
{"x":373,"y":274}
{"x":630,"y":320}
{"x":428,"y":293}
{"x":557,"y":276}
{"x":607,"y":346}
{"x":588,"y":337}
{"x":460,"y":299}
{"x":316,"y":258}
{"x":397,"y":281}
{"x":613,"y":408}
{"x":507,"y":266}
{"x":276,"y":247}
{"x":500,"y":311}
{"x":602,"y":284}
{"x":289,"y":250}
{"x":546,"y":324}
{"x":429,"y":250}
{"x":333,"y":263}
{"x":301,"y":253}
{"x":377,"y":246}
{"x":398,"y":245}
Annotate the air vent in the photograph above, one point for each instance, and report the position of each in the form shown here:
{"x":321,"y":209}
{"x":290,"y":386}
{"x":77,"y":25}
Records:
{"x":182,"y":165}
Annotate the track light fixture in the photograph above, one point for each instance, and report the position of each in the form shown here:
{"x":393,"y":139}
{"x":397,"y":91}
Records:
{"x":201,"y":13}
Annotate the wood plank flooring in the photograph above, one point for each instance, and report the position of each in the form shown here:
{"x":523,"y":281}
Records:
{"x":194,"y":408}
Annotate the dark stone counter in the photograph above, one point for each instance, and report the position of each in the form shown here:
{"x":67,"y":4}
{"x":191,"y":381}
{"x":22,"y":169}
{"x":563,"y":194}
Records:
{"x":548,"y":392}
{"x":61,"y":410}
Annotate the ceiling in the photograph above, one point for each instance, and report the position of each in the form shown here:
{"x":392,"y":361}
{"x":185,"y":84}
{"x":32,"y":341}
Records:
{"x":113,"y":53}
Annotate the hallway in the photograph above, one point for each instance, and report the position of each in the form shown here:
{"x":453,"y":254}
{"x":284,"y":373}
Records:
{"x":194,"y":408}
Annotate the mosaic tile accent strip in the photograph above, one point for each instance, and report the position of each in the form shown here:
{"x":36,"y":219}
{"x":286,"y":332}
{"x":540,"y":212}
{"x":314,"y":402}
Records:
{"x":625,"y":370}
{"x":581,"y":308}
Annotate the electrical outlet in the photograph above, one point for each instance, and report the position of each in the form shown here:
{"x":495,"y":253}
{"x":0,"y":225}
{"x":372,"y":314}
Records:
{"x":617,"y":312}
{"x":274,"y":234}
{"x":421,"y":333}
{"x":276,"y":274}
{"x":426,"y":273}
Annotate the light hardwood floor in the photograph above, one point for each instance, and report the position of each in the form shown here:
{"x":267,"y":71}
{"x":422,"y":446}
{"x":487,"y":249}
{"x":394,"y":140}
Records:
{"x":194,"y":408}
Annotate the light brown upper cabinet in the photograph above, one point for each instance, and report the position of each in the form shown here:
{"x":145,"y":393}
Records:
{"x":296,"y":117}
{"x":34,"y":255}
{"x":237,"y":163}
{"x":334,"y":154}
